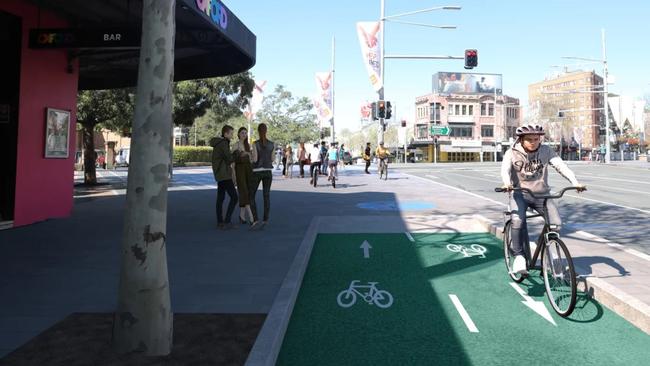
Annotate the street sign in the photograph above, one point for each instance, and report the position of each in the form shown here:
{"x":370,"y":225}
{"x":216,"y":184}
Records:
{"x":440,"y":130}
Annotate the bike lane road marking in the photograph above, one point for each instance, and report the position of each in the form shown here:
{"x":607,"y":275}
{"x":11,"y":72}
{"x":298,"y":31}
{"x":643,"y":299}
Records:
{"x":463,"y":314}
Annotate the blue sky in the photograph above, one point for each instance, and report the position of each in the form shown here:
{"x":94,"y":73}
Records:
{"x":519,"y":39}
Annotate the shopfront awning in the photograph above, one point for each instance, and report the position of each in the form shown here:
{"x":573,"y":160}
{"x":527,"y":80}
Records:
{"x":210,"y":40}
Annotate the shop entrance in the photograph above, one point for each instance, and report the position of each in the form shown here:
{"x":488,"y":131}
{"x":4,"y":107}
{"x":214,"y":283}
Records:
{"x":10,"y":44}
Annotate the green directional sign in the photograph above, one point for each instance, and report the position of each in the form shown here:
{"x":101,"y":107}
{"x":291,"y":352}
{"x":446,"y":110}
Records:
{"x":440,"y":130}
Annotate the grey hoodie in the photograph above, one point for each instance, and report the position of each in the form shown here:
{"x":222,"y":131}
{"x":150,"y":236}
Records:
{"x":530,"y":170}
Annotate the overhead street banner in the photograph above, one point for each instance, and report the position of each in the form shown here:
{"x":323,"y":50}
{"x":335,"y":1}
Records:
{"x":466,"y":83}
{"x":369,"y":35}
{"x":323,"y":101}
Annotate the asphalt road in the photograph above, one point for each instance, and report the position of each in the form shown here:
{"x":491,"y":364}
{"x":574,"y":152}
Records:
{"x":616,"y":205}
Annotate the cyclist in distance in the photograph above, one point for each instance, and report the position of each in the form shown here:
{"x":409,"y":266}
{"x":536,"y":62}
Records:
{"x":525,"y":165}
{"x":382,"y":154}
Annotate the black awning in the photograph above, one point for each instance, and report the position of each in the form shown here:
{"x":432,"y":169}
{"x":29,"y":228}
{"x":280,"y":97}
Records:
{"x":210,"y":40}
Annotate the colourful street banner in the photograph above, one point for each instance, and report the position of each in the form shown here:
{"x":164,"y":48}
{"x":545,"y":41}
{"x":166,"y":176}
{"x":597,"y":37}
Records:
{"x":368,"y":33}
{"x":366,"y":111}
{"x":255,"y":103}
{"x":323,"y":101}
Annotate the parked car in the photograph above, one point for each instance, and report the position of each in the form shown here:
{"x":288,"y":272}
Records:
{"x":123,"y":157}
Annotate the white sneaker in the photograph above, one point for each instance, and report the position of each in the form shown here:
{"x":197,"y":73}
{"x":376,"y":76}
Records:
{"x":519,"y":265}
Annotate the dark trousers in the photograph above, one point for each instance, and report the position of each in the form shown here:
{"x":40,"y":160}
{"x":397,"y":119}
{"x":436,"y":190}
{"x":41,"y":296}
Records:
{"x":224,"y":186}
{"x":302,"y":168}
{"x":367,"y":165}
{"x":314,"y":166}
{"x":266,"y":177}
{"x":284,"y":166}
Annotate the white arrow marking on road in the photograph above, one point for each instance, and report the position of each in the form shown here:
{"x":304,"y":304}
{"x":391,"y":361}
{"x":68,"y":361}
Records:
{"x":409,"y":236}
{"x":366,"y":249}
{"x":536,"y":306}
{"x":463,"y":314}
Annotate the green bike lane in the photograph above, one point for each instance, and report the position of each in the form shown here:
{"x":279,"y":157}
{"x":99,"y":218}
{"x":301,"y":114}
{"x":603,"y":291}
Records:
{"x":452,"y":304}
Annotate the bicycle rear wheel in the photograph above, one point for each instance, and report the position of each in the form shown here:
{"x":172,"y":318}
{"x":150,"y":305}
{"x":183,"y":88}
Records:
{"x":507,"y":254}
{"x":559,"y":277}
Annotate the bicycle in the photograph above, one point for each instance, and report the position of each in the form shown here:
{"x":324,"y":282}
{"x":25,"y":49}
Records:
{"x":383,"y":168}
{"x":557,"y":267}
{"x":346,"y":298}
{"x":315,"y":174}
{"x":333,"y":173}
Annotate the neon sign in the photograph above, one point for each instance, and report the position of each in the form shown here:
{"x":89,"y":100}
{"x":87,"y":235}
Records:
{"x":215,"y":10}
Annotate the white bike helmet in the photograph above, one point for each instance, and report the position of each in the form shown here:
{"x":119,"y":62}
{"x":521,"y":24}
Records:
{"x":530,"y":130}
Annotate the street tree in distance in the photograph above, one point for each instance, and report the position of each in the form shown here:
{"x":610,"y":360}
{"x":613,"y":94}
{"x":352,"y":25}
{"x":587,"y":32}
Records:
{"x":290,"y":119}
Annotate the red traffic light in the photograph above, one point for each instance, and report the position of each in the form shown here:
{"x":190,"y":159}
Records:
{"x":471,"y":58}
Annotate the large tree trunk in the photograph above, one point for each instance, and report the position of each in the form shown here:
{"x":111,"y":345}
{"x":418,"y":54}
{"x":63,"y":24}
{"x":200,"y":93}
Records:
{"x":143,"y":319}
{"x":90,"y":176}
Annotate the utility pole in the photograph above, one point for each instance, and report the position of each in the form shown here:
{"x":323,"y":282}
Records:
{"x":382,"y":20}
{"x":606,"y":107}
{"x":333,"y":139}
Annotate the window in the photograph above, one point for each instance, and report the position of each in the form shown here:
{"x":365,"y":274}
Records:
{"x":461,"y":131}
{"x":471,"y":110}
{"x":422,"y":132}
{"x":483,"y":113}
{"x":491,"y":109}
{"x":451,"y":109}
{"x":435,"y":112}
{"x":487,"y":131}
{"x":457,"y":109}
{"x":464,"y":110}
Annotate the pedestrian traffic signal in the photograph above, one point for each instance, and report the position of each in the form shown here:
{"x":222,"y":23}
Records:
{"x":381,"y":109}
{"x":389,"y":110}
{"x":373,"y":109}
{"x":471,"y":59}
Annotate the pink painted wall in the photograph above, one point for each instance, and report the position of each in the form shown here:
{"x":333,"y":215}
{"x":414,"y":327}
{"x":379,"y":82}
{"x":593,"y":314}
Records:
{"x":44,"y":187}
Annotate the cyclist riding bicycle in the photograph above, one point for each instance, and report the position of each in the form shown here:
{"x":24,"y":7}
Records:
{"x":382,"y":154}
{"x":332,"y":160}
{"x":525,"y":165}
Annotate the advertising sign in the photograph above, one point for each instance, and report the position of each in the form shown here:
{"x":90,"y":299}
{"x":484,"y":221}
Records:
{"x":466,"y":83}
{"x":323,"y":102}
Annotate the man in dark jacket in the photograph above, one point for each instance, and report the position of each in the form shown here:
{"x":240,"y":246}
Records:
{"x":366,"y":157}
{"x":221,"y":160}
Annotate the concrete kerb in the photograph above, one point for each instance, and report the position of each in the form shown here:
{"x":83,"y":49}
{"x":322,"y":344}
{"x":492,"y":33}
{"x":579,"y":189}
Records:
{"x":628,"y":307}
{"x":269,"y":341}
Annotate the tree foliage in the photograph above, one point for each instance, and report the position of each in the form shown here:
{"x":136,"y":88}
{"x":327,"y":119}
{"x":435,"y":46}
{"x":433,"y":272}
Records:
{"x":290,"y":119}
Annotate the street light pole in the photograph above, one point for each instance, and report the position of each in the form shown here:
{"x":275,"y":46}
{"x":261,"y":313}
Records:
{"x":606,"y":107}
{"x":382,"y":19}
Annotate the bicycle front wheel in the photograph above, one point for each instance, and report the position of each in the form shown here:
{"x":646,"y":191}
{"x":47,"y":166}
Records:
{"x":507,"y":254}
{"x":559,"y":277}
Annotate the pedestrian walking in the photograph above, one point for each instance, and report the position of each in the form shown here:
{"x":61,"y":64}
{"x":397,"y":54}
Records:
{"x":315,"y":158}
{"x":243,"y":175}
{"x":323,"y":157}
{"x":278,"y":158}
{"x":302,"y":158}
{"x":603,"y":152}
{"x":284,"y":161}
{"x":222,"y":158}
{"x":366,"y":156}
{"x":262,"y":159}
{"x":288,"y":165}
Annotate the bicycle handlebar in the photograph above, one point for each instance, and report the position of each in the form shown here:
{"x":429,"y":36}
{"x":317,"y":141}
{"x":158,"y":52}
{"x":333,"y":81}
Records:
{"x":538,"y":196}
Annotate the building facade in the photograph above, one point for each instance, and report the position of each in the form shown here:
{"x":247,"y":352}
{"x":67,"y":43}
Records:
{"x":53,"y":49}
{"x":479,"y":129}
{"x":570,"y":106}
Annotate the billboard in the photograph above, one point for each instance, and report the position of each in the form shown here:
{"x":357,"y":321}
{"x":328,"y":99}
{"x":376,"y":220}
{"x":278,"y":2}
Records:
{"x":466,"y":83}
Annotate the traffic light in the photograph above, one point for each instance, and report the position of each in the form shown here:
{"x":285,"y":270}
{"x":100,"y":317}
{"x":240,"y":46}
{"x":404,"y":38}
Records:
{"x":373,"y":109}
{"x":471,"y":59}
{"x":389,"y":110}
{"x":403,"y":123}
{"x":381,"y":109}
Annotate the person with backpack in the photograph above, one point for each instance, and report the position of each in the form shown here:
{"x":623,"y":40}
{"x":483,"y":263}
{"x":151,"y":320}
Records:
{"x":222,"y":159}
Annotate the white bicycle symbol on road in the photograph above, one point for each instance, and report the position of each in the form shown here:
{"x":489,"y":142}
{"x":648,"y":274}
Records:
{"x":472,"y":250}
{"x":381,"y":298}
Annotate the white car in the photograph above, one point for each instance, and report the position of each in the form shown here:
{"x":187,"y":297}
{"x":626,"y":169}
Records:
{"x":123,"y":157}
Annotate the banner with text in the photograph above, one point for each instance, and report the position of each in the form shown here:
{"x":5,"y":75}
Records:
{"x":368,"y":33}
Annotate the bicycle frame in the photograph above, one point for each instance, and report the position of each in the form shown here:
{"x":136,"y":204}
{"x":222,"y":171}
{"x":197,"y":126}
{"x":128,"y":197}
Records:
{"x":548,"y":232}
